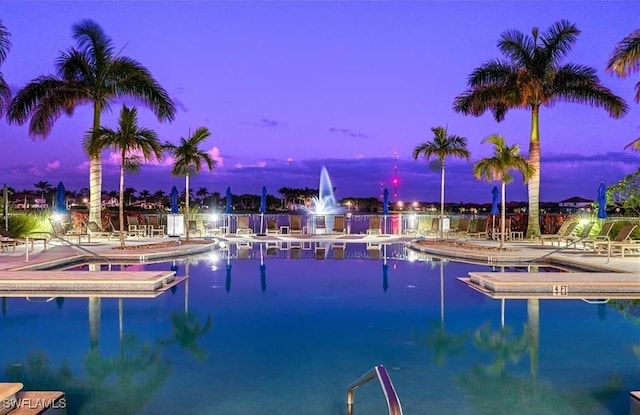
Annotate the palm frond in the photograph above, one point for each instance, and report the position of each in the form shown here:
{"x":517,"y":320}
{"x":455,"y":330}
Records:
{"x":517,"y":47}
{"x":634,"y":145}
{"x":5,"y":43}
{"x":74,"y":65}
{"x":5,"y":95}
{"x":558,"y":40}
{"x":626,"y":56}
{"x":91,"y":39}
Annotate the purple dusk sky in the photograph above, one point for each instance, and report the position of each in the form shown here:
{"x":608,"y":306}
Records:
{"x":287,"y":87}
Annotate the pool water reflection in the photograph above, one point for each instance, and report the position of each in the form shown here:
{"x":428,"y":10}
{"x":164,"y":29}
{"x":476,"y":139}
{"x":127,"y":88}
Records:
{"x":271,"y":335}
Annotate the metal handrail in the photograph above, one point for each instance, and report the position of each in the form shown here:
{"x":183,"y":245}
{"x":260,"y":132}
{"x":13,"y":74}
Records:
{"x":393,"y":402}
{"x":558,"y":249}
{"x":54,"y":236}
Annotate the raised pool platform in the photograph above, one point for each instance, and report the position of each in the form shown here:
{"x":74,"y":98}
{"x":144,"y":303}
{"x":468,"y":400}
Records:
{"x":114,"y":282}
{"x":555,"y":285}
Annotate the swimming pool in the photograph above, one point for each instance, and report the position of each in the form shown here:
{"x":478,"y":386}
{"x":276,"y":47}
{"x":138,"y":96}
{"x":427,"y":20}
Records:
{"x":290,"y":336}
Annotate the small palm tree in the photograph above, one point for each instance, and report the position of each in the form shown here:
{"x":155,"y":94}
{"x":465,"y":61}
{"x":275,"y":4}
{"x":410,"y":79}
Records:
{"x":442,"y":146}
{"x":624,"y":61}
{"x":497,"y":167}
{"x":5,"y":46}
{"x":93,"y":73}
{"x":130,"y":140}
{"x":44,"y":187}
{"x":189,"y":160}
{"x":202,"y":193}
{"x":530,"y":77}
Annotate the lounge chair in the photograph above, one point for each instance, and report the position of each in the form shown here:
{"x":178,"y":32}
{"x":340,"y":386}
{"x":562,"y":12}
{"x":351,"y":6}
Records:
{"x":338,"y":225}
{"x":94,"y":230}
{"x":272,"y":227}
{"x":243,"y":226}
{"x":295,"y":225}
{"x":480,"y":229}
{"x":565,"y":230}
{"x":60,"y":231}
{"x":153,"y":226}
{"x":321,"y":224}
{"x":194,"y":229}
{"x":10,"y":240}
{"x":603,"y":235}
{"x":135,"y":228}
{"x":622,"y":239}
{"x":574,"y":239}
{"x":374,"y":226}
{"x":462,"y":229}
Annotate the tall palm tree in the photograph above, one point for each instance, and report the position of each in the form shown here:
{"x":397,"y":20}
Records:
{"x":624,"y":61}
{"x":130,"y":140}
{"x":442,"y":146}
{"x":189,"y":160}
{"x":497,"y":167}
{"x":5,"y":46}
{"x":532,"y":76}
{"x":92,"y":73}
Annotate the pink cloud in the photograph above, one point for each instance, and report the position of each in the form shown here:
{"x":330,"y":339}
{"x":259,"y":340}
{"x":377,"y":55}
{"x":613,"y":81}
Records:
{"x":53,"y":165}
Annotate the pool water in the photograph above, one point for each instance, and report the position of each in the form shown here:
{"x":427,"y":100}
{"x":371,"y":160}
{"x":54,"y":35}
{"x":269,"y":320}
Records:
{"x":290,"y":336}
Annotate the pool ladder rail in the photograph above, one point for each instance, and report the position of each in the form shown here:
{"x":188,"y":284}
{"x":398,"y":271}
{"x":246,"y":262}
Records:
{"x":379,"y":372}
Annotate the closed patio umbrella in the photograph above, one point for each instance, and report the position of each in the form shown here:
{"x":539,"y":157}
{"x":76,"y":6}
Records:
{"x":494,"y":206}
{"x":602,"y":201}
{"x":385,"y":207}
{"x":174,"y":200}
{"x":61,"y":199}
{"x":228,"y":208}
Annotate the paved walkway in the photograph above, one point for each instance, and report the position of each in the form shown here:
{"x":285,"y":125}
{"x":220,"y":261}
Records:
{"x":472,"y":250}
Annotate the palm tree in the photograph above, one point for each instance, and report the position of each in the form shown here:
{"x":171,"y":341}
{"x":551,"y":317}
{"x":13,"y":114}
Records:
{"x":44,"y":187}
{"x":497,"y":167}
{"x":202,"y":193}
{"x":129,"y":193}
{"x":5,"y":46}
{"x":159,"y":195}
{"x":442,"y":146}
{"x":188,"y":160}
{"x":531,"y":77}
{"x":93,"y":73}
{"x":624,"y":61}
{"x":130,"y":140}
{"x":144,"y":194}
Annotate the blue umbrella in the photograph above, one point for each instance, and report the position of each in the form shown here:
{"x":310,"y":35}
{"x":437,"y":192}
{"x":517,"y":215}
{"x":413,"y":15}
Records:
{"x":385,"y":277}
{"x":227,"y":284}
{"x":494,"y":201}
{"x":227,"y":209}
{"x":61,"y":199}
{"x":602,"y":201}
{"x":174,"y":200}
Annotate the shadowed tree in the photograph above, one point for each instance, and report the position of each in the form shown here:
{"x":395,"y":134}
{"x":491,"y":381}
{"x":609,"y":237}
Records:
{"x":5,"y":46}
{"x":44,"y":187}
{"x":497,"y":167}
{"x":134,"y":143}
{"x":92,"y":73}
{"x":624,"y":61}
{"x":442,"y":146}
{"x":189,"y":160}
{"x":202,"y":194}
{"x":532,"y":76}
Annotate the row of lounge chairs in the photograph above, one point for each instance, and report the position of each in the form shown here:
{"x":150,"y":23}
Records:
{"x":599,"y":243}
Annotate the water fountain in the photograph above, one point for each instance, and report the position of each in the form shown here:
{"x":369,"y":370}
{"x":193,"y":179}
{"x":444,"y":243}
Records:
{"x":324,"y":205}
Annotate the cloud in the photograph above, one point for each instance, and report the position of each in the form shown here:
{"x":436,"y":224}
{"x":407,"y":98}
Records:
{"x":347,"y":132}
{"x":266,"y":123}
{"x":55,"y":164}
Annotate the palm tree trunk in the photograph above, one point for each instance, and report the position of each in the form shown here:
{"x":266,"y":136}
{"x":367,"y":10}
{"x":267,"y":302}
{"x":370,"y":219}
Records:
{"x":95,"y":175}
{"x":186,"y":204}
{"x":503,"y":214}
{"x":121,"y":207}
{"x":442,"y":201}
{"x":533,"y":225}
